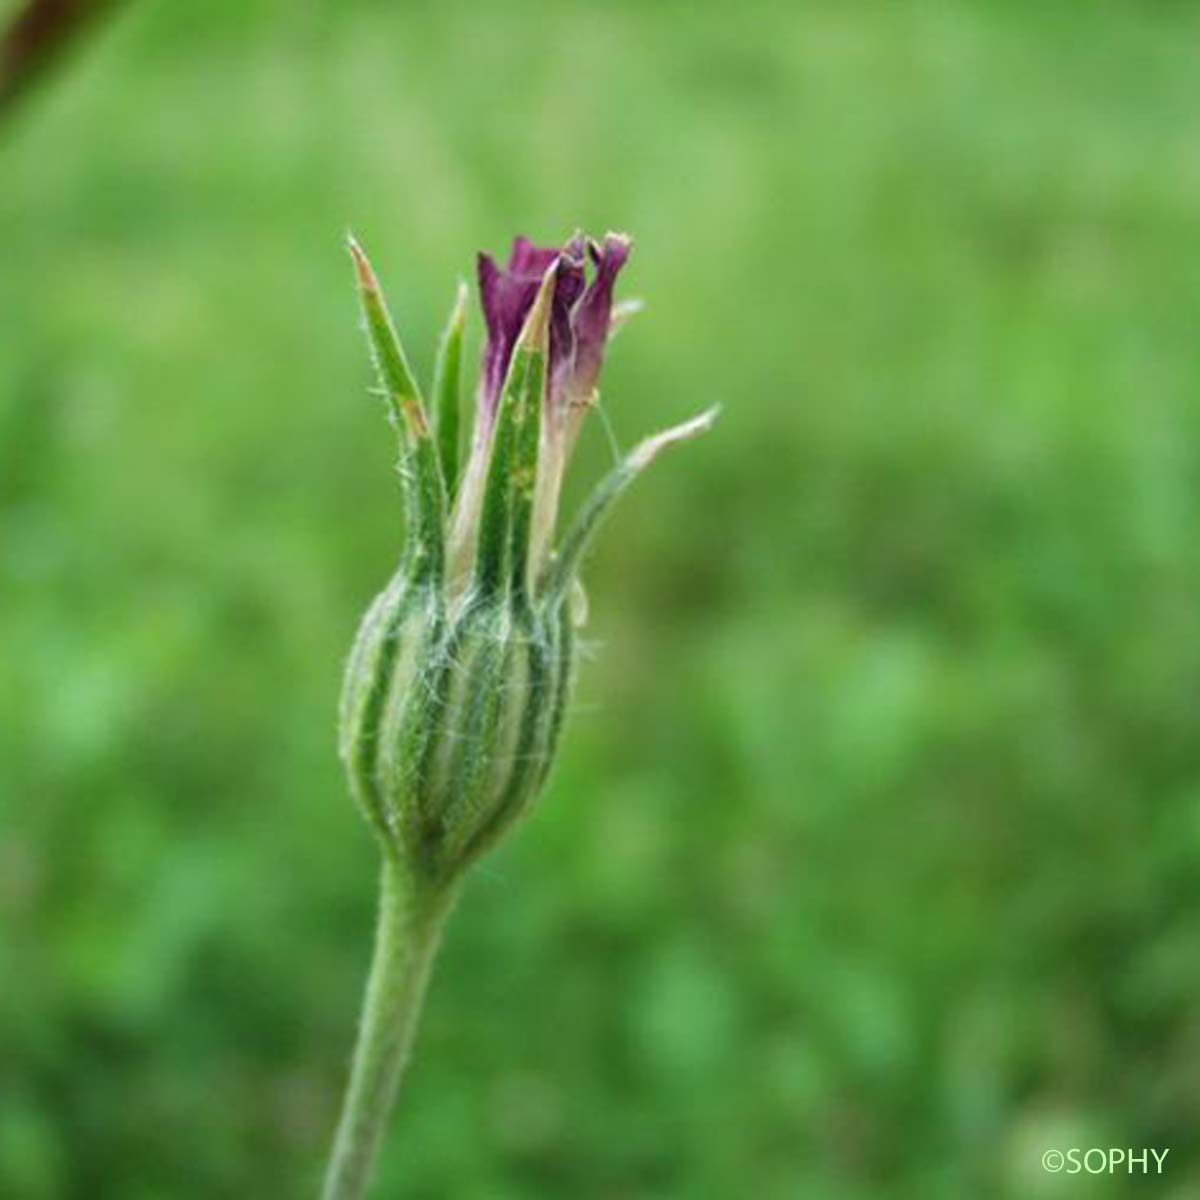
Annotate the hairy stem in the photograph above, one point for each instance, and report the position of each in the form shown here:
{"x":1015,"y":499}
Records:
{"x":411,"y":917}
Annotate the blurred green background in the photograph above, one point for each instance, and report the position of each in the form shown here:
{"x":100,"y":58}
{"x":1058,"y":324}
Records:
{"x":870,"y":866}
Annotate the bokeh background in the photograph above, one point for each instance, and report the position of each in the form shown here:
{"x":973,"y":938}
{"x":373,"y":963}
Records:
{"x":871,"y":867}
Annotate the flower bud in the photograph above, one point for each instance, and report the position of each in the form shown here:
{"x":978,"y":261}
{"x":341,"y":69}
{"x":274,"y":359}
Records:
{"x":458,"y":682}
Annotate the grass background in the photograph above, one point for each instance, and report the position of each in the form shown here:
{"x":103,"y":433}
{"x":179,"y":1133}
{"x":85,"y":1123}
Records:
{"x":870,"y":866}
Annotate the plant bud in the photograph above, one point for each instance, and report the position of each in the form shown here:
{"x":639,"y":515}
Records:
{"x":458,"y":682}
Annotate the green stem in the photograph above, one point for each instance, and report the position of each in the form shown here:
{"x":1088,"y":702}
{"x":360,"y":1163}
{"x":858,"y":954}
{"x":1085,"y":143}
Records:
{"x":411,"y":918}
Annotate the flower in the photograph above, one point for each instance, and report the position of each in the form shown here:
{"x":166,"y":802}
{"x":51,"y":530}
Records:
{"x":457,"y":685}
{"x":580,"y":319}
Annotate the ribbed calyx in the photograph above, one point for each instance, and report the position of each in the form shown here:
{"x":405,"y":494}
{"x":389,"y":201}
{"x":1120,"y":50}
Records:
{"x":458,"y":680}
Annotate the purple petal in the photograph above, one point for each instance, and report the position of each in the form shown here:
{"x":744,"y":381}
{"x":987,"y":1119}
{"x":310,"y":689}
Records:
{"x":591,"y":319}
{"x":527,"y":259}
{"x":569,"y":287}
{"x":506,"y":299}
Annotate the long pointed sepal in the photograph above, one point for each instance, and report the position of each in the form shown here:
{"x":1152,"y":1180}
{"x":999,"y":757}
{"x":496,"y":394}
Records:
{"x":508,"y":495}
{"x":564,"y":566}
{"x":420,"y":469}
{"x":447,"y":391}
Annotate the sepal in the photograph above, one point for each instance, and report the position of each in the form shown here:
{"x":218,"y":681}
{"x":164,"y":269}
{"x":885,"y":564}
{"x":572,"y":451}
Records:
{"x":420,"y":470}
{"x":447,"y":391}
{"x":564,"y":567}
